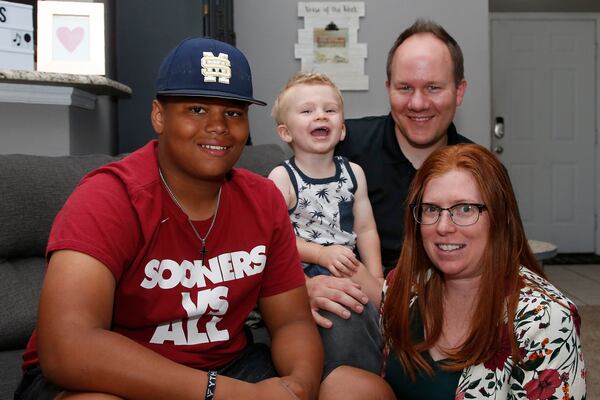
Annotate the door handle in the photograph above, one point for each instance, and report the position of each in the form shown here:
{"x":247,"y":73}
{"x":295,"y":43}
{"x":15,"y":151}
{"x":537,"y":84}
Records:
{"x":499,"y":128}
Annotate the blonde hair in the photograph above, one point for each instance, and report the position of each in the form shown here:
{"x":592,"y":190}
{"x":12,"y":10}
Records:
{"x":301,"y":78}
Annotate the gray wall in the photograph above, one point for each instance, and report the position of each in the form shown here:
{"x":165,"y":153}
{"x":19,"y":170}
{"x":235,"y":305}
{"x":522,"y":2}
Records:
{"x":45,"y":133}
{"x":146,"y":31}
{"x":544,"y":5}
{"x":268,"y":29}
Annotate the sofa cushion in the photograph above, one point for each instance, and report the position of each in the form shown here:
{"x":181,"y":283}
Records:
{"x":20,"y":284}
{"x":10,"y":373}
{"x":262,"y":158}
{"x":34,"y":188}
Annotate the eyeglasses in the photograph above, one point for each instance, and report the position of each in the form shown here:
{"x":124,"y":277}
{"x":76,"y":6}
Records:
{"x":462,"y":214}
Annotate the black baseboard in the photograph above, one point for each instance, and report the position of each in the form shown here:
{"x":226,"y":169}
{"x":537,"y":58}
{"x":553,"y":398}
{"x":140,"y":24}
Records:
{"x":573,"y":258}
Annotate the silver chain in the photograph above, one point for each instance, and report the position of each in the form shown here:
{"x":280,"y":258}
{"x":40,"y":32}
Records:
{"x":212,"y":223}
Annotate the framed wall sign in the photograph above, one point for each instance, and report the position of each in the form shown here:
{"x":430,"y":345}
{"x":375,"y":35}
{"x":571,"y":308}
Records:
{"x":328,"y":43}
{"x":70,"y":37}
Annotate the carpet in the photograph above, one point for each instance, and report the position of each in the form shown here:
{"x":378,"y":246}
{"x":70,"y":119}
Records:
{"x":573,"y":259}
{"x":590,"y":341}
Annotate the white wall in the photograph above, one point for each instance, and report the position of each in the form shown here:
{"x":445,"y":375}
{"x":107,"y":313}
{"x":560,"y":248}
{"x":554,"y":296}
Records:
{"x":55,"y":120}
{"x":46,"y":131}
{"x":268,"y":29}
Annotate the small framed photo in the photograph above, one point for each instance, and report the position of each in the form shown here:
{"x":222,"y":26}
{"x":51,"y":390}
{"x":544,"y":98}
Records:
{"x":70,"y":37}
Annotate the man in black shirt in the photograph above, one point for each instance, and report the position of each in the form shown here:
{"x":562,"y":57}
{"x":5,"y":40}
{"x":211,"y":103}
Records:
{"x":372,"y":144}
{"x":425,"y":84}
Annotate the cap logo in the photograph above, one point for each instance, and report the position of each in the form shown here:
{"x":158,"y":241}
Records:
{"x":215,"y":69}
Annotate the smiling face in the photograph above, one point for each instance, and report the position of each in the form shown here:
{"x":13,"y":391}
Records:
{"x":422,"y":91}
{"x":313,"y":118}
{"x":201,"y":138}
{"x":455,"y":250}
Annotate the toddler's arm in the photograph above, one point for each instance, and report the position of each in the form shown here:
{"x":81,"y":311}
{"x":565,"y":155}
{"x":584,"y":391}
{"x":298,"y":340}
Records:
{"x":367,"y":239}
{"x":280,"y":177}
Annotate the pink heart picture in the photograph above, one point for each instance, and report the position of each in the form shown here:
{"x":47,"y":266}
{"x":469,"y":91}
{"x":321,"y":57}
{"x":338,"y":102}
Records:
{"x":70,"y":38}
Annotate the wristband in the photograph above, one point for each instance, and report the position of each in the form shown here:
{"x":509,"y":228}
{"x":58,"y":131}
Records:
{"x":211,"y":384}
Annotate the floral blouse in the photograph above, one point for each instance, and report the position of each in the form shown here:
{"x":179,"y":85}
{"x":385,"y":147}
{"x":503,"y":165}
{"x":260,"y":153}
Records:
{"x":548,"y":334}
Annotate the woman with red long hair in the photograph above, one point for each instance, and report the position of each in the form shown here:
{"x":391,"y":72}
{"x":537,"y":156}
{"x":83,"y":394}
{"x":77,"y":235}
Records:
{"x":468,"y":312}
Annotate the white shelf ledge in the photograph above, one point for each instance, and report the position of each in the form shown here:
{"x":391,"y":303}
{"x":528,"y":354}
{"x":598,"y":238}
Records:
{"x":95,"y":84}
{"x":50,"y":95}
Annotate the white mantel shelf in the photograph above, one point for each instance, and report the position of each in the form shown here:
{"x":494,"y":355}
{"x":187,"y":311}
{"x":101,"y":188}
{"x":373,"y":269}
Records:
{"x":95,"y":84}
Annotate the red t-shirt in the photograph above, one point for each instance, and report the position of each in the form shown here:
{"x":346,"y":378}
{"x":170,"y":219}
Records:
{"x":165,"y":298}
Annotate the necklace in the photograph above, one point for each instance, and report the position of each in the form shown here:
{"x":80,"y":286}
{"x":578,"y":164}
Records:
{"x":203,"y":250}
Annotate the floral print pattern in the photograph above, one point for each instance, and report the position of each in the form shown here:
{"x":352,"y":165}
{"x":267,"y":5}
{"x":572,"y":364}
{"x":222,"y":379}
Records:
{"x":545,"y":385}
{"x":547,"y":327}
{"x":547,"y":330}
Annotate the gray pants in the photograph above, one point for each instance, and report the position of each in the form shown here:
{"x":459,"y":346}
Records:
{"x":356,"y":342}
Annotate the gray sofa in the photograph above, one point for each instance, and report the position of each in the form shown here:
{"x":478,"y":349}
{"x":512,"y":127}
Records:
{"x":32,"y":191}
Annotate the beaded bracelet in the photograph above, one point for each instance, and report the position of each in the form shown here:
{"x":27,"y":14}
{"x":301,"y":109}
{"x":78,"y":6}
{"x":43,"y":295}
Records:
{"x":211,"y":385}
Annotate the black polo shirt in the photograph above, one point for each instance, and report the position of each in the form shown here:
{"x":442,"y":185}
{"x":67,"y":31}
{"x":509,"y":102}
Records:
{"x":371,"y":143}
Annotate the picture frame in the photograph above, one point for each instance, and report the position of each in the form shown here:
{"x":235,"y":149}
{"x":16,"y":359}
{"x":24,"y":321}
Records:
{"x":328,"y":42}
{"x":70,"y":37}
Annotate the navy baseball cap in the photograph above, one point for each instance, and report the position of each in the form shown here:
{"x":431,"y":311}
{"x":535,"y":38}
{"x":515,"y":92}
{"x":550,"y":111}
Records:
{"x":203,"y":67}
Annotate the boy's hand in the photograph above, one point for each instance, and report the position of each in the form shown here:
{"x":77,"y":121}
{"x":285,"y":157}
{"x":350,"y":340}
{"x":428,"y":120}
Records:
{"x":279,"y":389}
{"x":339,"y":260}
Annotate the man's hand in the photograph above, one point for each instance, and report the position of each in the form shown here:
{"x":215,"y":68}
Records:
{"x":339,"y":260}
{"x":336,"y":295}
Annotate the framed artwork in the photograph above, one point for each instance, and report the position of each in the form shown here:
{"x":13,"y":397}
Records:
{"x":328,"y":42}
{"x":70,"y":37}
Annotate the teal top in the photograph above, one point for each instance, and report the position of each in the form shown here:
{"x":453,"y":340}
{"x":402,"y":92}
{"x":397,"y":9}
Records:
{"x":442,"y":385}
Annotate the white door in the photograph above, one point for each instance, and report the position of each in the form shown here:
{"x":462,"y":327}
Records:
{"x":543,"y":99}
